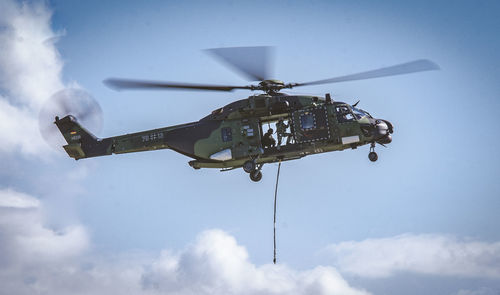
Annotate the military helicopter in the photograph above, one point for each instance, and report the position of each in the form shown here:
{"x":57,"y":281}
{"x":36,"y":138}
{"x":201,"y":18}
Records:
{"x":233,"y":136}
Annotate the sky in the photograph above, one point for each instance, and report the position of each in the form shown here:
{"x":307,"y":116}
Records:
{"x":422,"y":219}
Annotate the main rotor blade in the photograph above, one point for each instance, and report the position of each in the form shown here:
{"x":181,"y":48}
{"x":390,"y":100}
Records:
{"x":253,"y":62}
{"x":401,"y":69}
{"x":121,"y":84}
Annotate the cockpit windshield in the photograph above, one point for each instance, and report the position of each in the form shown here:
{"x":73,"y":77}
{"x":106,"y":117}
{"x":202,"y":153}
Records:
{"x":359,"y":113}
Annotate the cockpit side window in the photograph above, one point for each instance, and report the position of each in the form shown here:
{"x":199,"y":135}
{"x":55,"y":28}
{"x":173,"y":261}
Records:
{"x":344,"y":114}
{"x":359,"y":113}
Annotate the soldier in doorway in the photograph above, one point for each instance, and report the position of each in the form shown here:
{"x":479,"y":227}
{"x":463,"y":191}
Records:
{"x":281,"y":128}
{"x":267,"y":139}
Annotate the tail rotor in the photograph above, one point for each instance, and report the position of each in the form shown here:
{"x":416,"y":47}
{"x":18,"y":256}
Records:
{"x":70,"y":101}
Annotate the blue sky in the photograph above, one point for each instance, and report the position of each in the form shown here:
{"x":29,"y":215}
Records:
{"x":432,"y":194}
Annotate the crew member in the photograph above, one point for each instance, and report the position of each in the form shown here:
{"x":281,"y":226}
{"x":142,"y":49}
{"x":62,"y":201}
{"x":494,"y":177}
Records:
{"x":281,"y":128}
{"x":267,"y":139}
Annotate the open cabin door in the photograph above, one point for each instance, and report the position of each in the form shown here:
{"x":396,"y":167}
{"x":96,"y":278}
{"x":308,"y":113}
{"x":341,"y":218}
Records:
{"x":311,"y":125}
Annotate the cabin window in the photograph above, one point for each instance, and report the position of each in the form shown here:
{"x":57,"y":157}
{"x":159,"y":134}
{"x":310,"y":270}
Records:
{"x":307,"y":121}
{"x":227,"y":134}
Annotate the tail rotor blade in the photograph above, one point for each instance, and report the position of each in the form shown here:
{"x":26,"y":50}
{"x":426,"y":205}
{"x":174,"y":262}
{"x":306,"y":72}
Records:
{"x":76,"y":102}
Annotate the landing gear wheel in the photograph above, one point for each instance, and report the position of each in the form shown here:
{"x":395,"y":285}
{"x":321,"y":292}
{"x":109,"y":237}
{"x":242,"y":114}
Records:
{"x":249,"y":166}
{"x":256,"y":175}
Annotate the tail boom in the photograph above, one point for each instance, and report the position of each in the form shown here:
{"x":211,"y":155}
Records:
{"x":83,"y":144}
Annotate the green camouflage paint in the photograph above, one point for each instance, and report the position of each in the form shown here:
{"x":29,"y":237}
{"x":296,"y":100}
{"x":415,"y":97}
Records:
{"x":231,"y":135}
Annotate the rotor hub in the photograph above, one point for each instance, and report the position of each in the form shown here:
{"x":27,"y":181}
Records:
{"x":272,"y":86}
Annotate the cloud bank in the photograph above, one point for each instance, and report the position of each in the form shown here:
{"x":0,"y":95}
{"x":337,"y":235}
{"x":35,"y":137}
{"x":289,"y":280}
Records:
{"x":24,"y":238}
{"x":30,"y":72}
{"x":432,"y":254}
{"x":37,"y":259}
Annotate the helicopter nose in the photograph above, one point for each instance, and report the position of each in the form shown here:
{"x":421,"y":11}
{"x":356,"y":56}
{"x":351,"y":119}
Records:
{"x":383,"y":131}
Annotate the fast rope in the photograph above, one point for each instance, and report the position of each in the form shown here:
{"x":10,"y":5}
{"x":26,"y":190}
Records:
{"x":275,"y":198}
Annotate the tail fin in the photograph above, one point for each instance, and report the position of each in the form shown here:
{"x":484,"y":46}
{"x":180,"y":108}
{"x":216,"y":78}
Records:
{"x":81,"y":143}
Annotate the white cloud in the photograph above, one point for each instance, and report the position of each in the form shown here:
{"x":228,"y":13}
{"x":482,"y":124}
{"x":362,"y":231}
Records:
{"x":216,"y":264}
{"x":24,"y":238}
{"x":37,"y":259}
{"x":30,"y":72}
{"x":19,"y":130}
{"x":30,"y":63}
{"x":433,"y":254}
{"x":12,"y":199}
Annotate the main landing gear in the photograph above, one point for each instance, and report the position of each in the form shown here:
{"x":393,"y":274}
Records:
{"x":253,"y":169}
{"x":372,"y":155}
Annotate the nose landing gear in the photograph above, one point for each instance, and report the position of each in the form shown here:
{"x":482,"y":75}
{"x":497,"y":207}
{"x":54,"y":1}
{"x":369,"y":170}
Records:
{"x":372,"y":155}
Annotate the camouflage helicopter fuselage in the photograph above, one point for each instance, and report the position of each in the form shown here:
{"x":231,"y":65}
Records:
{"x":231,"y":136}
